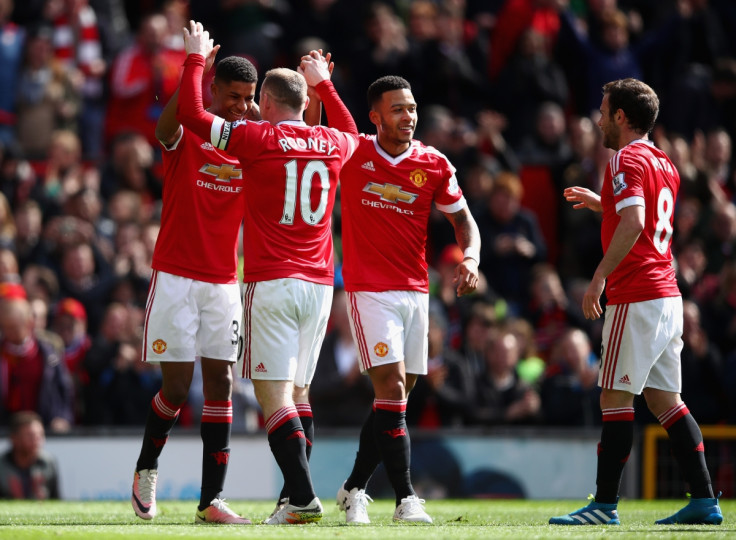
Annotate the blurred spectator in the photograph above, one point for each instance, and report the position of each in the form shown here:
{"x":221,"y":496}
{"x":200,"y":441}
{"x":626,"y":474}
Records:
{"x":514,"y":17}
{"x":12,"y":38}
{"x":689,"y":225}
{"x":702,"y":370}
{"x":530,"y":367}
{"x":27,"y":471}
{"x":338,"y":379}
{"x":34,"y":376}
{"x":87,"y":206}
{"x":121,"y":386}
{"x":441,"y":397}
{"x":690,"y":70}
{"x":250,"y":29}
{"x":8,"y":266}
{"x":569,"y":387}
{"x":456,"y":309}
{"x":719,"y":315}
{"x":718,"y":165}
{"x":40,"y":313}
{"x":617,"y":57}
{"x":17,"y":177}
{"x":476,"y":329}
{"x":78,"y":48}
{"x":511,"y":242}
{"x":692,"y":279}
{"x":64,"y":173}
{"x":85,"y":276}
{"x":544,"y":153}
{"x":451,"y":71}
{"x":550,"y":311}
{"x":130,"y":167}
{"x":492,"y":145}
{"x":48,"y":95}
{"x":70,"y":323}
{"x":720,"y":245}
{"x":530,"y":79}
{"x":7,"y":224}
{"x":40,"y":282}
{"x":29,"y":228}
{"x":143,"y":78}
{"x":501,"y":397}
{"x":580,"y":232}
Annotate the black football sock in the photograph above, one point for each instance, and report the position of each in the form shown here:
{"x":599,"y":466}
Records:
{"x":307,"y":420}
{"x":392,"y":437}
{"x":617,"y":437}
{"x":288,"y":445}
{"x":217,"y":420}
{"x":688,"y":449}
{"x":161,"y":418}
{"x":367,"y":458}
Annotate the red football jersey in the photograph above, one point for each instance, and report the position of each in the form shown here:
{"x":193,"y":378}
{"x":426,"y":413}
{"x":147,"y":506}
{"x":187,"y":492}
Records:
{"x":292,"y":172}
{"x":202,"y":212}
{"x":641,"y":174}
{"x":386,"y":202}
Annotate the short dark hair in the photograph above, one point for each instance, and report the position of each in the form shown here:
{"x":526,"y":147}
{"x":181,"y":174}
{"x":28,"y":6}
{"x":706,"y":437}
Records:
{"x":236,"y":69}
{"x":22,"y":419}
{"x":383,"y":85}
{"x":638,"y":101}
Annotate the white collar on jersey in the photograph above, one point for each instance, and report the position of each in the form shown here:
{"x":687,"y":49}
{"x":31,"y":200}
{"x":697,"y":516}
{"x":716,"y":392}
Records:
{"x":391,"y":159}
{"x":292,"y":122}
{"x":648,"y":142}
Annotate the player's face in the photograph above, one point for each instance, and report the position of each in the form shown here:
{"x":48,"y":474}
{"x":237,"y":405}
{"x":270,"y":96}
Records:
{"x":608,"y":125}
{"x":232,"y":100}
{"x":395,"y":117}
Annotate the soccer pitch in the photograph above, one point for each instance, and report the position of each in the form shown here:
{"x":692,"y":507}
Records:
{"x":521,"y":520}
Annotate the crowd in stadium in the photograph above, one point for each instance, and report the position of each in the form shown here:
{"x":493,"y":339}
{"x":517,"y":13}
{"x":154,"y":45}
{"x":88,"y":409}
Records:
{"x":509,"y":90}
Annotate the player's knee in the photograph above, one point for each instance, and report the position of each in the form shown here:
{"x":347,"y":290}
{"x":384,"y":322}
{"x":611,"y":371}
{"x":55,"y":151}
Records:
{"x":175,"y":392}
{"x":390,"y":385}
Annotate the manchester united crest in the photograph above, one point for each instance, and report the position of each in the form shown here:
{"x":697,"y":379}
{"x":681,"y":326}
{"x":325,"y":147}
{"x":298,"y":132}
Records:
{"x":381,"y":349}
{"x":159,"y":346}
{"x":418,"y":177}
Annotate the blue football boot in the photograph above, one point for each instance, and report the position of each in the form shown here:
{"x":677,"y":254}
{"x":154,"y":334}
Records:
{"x":593,"y":514}
{"x":697,"y":512}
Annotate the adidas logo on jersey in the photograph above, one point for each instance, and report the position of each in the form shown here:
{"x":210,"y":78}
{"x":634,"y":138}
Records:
{"x":368,"y":165}
{"x":207,"y":146}
{"x":260,"y":368}
{"x":625,"y":380}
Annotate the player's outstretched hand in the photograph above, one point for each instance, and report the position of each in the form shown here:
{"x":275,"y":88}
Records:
{"x":584,"y":198}
{"x":197,"y":40}
{"x":315,"y":68}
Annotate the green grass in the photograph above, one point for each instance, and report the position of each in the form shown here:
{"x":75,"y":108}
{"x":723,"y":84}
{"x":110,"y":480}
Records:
{"x":520,"y":520}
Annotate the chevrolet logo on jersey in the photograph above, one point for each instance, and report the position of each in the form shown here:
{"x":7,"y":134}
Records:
{"x":224,"y":173}
{"x":390,"y":193}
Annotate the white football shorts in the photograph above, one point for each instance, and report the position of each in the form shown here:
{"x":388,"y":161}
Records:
{"x":390,"y":327}
{"x":641,"y":346}
{"x":284,"y":324}
{"x":187,"y":318}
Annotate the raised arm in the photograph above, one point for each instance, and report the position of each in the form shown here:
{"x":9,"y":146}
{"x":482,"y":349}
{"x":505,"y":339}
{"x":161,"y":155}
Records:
{"x":190,"y":111}
{"x":317,"y":73}
{"x":167,"y":127}
{"x":313,"y":112}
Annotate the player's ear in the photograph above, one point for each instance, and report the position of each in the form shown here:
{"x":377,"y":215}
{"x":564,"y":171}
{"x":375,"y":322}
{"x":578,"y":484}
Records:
{"x":374,"y":117}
